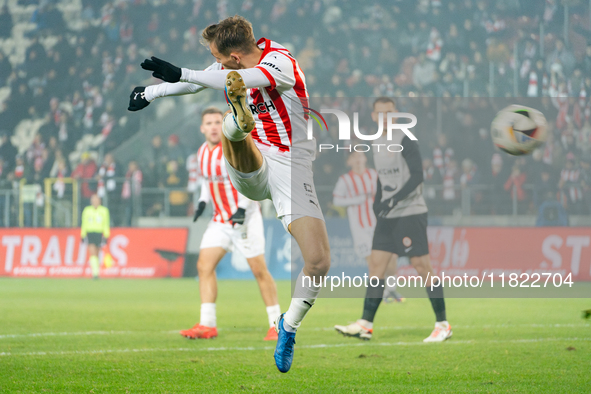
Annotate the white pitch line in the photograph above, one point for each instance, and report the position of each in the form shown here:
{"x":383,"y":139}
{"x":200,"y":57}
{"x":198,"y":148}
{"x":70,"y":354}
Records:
{"x":251,"y":329}
{"x":317,"y":346}
{"x":61,"y":334}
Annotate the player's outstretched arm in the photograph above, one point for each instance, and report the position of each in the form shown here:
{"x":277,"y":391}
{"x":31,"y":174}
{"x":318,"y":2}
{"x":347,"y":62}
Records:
{"x":209,"y":78}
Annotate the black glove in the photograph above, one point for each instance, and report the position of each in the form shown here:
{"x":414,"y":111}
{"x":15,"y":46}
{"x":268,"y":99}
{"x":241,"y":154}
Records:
{"x":383,"y":208}
{"x":238,"y":217}
{"x":104,"y":241}
{"x":82,"y":239}
{"x":137,"y":99}
{"x":199,"y":210}
{"x":162,"y":70}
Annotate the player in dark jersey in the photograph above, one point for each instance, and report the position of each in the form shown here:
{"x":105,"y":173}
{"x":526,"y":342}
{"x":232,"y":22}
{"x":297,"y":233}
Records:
{"x":401,"y":228}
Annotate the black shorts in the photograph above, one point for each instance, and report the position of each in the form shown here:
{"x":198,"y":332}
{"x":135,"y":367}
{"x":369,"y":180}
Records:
{"x":405,"y":236}
{"x":94,"y":238}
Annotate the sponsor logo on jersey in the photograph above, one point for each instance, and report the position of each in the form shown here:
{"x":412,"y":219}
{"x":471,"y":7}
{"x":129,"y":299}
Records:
{"x":271,"y":65}
{"x":262,"y":108}
{"x":389,"y":171}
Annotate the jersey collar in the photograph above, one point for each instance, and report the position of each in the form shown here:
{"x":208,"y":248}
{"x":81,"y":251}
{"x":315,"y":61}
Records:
{"x":214,"y":147}
{"x":266,"y":48}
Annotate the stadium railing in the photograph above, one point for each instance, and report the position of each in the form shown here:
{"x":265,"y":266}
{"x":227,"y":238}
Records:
{"x":34,"y":206}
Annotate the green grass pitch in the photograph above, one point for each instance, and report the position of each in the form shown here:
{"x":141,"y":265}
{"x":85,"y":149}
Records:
{"x":121,"y":336}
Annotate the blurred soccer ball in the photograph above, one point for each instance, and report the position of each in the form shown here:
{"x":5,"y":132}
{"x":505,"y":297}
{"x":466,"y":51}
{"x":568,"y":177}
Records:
{"x":518,"y":130}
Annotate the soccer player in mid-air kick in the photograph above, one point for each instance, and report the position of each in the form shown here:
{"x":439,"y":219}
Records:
{"x":265,"y":145}
{"x":401,"y":228}
{"x":237,"y":225}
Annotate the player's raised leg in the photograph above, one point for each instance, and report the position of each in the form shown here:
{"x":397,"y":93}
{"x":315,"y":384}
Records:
{"x":209,"y":258}
{"x":239,"y":148}
{"x":268,"y":292}
{"x":442,"y":329}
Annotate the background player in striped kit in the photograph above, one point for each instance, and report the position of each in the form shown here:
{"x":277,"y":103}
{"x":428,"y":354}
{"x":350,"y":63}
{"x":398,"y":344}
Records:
{"x":237,"y":224}
{"x":401,"y":229}
{"x":356,"y":190}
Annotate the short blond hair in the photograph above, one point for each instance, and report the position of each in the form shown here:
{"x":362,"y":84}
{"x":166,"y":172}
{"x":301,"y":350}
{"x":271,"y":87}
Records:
{"x":231,"y":34}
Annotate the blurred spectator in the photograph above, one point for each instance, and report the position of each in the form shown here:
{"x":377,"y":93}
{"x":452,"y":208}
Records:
{"x":450,"y":178}
{"x":37,"y":151}
{"x":514,"y":185}
{"x":5,"y":22}
{"x":497,"y":199}
{"x":545,"y":189}
{"x":34,"y":173}
{"x":84,"y":171}
{"x":107,"y":188}
{"x":178,"y":199}
{"x":561,"y":59}
{"x":8,"y":151}
{"x":157,"y":162}
{"x":442,"y":154}
{"x":176,"y":152}
{"x":585,"y":165}
{"x":570,"y":186}
{"x":60,"y":168}
{"x":5,"y":68}
{"x":5,"y":189}
{"x":423,"y":73}
{"x":471,"y":177}
{"x":20,"y":169}
{"x":131,"y":191}
{"x":432,"y":178}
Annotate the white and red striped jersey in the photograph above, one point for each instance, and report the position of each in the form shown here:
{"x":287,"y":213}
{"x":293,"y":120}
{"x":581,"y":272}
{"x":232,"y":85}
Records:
{"x":279,"y":110}
{"x":216,"y":184}
{"x":356,"y":192}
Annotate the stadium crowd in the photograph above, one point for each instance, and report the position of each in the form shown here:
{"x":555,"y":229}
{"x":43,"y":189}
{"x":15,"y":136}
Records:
{"x":70,"y":65}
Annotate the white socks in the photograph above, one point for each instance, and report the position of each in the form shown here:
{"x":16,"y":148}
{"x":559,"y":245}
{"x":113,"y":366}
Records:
{"x":273,"y":313}
{"x":368,"y":325}
{"x":231,"y":130}
{"x":94,"y":265}
{"x":305,"y":295}
{"x":208,"y":317}
{"x":442,"y":324}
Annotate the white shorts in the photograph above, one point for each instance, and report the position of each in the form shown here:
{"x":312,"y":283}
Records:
{"x":248,"y":238}
{"x":362,"y":240}
{"x":288,"y":183}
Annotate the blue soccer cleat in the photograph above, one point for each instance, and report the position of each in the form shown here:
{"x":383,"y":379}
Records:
{"x":285,"y":344}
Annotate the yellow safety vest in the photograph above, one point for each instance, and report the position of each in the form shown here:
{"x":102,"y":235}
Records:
{"x":95,"y":220}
